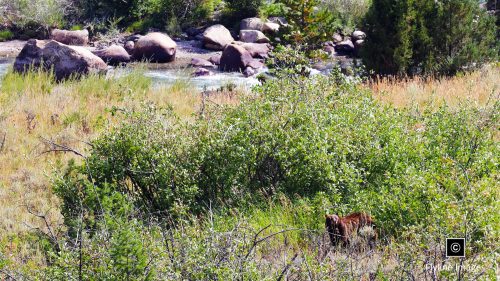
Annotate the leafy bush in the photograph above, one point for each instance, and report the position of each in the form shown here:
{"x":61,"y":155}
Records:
{"x":428,"y":37}
{"x":144,"y":14}
{"x":33,"y":18}
{"x":5,"y":35}
{"x":349,"y":12}
{"x":271,"y":8}
{"x":310,"y":25}
{"x":244,"y":8}
{"x":297,"y":137}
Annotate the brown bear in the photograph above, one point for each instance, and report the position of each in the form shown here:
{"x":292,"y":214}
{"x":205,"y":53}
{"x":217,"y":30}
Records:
{"x":344,"y":228}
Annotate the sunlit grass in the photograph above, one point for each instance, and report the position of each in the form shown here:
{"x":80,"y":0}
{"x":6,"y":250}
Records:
{"x":34,"y":108}
{"x":476,"y":88}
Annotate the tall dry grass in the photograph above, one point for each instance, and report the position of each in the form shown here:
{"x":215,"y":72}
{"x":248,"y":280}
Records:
{"x":37,"y":113}
{"x":476,"y":88}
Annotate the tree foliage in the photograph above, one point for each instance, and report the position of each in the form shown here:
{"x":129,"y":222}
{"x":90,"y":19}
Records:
{"x":428,"y":37}
{"x":310,"y":24}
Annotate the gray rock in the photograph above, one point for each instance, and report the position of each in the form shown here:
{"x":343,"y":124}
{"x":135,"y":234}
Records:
{"x":234,"y":58}
{"x":271,"y":27}
{"x":329,"y":49}
{"x":255,"y":64}
{"x":345,"y":46}
{"x":359,"y":43}
{"x":113,"y":55}
{"x":215,"y":59}
{"x":71,"y":37}
{"x":253,"y":36}
{"x":249,"y":71}
{"x":337,"y":38}
{"x":358,"y":35}
{"x":202,"y":72}
{"x":199,"y":62}
{"x":156,"y":47}
{"x":217,"y":37}
{"x":251,"y":24}
{"x":257,"y":50}
{"x":129,"y":47}
{"x":66,"y":61}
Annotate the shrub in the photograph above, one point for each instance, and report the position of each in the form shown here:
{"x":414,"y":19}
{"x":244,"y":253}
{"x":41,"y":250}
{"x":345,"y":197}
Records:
{"x":6,"y":35}
{"x":271,"y":8}
{"x":144,"y":14}
{"x":295,"y":136}
{"x":349,"y":12}
{"x":241,"y":9}
{"x":428,"y":37}
{"x":34,"y":18}
{"x":310,"y":25}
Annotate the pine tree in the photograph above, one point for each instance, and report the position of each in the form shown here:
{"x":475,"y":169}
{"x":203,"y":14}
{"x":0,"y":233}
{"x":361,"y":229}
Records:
{"x":409,"y":37}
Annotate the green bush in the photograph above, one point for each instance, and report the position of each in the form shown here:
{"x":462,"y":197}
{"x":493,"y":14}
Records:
{"x":311,"y":24}
{"x":349,"y":12}
{"x":6,"y":35}
{"x":271,"y":8}
{"x":295,"y":136}
{"x":32,"y":19}
{"x":241,"y":9}
{"x":191,"y":198}
{"x":140,"y":15}
{"x":428,"y":37}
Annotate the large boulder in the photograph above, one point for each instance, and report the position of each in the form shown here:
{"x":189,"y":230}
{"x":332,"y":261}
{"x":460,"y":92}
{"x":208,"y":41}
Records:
{"x":329,"y":49}
{"x":337,"y":38}
{"x":257,"y":50}
{"x":358,"y":35}
{"x":155,"y":47}
{"x":345,"y":46}
{"x":271,"y":27}
{"x":234,"y":58}
{"x":217,"y":37}
{"x":251,"y":24}
{"x":66,"y":61}
{"x":113,"y":55}
{"x":129,"y":47}
{"x":253,"y":36}
{"x":71,"y":37}
{"x":255,"y":64}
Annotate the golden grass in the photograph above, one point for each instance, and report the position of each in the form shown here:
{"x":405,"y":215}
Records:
{"x":33,"y":109}
{"x":476,"y":88}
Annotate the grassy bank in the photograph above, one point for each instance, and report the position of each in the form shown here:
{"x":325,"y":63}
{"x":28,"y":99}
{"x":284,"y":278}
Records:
{"x":37,"y":114}
{"x":232,"y":216}
{"x":476,"y":88}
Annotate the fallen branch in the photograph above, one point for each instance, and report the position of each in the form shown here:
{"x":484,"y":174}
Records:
{"x":59,"y":148}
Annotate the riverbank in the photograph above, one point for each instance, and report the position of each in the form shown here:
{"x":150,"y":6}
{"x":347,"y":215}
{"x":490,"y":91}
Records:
{"x":162,"y":74}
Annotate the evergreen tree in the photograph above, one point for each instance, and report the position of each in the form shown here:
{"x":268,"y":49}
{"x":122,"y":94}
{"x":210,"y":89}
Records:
{"x":409,"y":37}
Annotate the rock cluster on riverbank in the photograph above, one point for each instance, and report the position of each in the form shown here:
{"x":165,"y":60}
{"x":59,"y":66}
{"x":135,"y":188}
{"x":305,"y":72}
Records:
{"x":204,"y":49}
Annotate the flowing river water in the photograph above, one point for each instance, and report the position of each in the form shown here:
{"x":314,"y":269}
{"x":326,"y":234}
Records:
{"x":168,"y":76}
